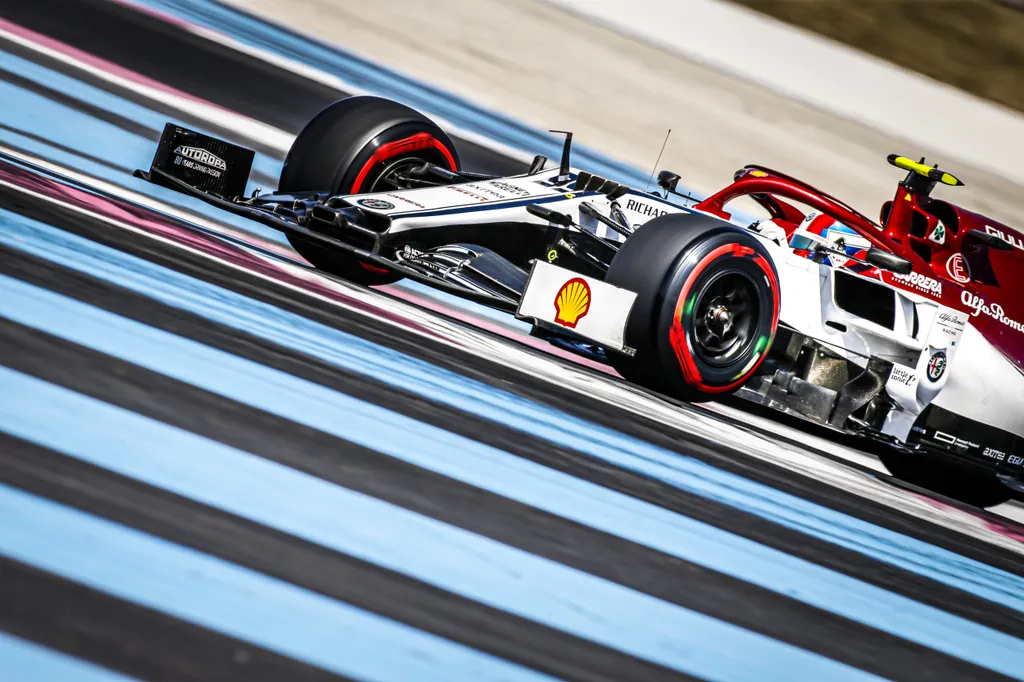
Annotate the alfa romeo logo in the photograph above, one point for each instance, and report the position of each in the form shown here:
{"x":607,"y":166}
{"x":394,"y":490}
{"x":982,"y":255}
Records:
{"x":376,"y":204}
{"x":937,"y":365}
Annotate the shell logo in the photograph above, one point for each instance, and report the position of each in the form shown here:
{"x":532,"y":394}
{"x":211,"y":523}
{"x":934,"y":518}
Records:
{"x":572,"y":302}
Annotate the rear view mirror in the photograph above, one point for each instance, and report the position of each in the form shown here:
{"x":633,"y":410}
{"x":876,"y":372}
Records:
{"x":990,"y":240}
{"x":668,"y":180}
{"x":889,"y":261}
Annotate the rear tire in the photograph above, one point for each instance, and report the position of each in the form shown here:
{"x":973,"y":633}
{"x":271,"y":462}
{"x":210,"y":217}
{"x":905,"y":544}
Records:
{"x":351,"y":147}
{"x":707,"y":305}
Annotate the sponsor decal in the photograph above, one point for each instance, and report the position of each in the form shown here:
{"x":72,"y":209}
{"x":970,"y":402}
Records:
{"x":406,"y":200}
{"x":1015,"y":460}
{"x":1011,"y":239}
{"x":376,"y":204}
{"x":955,"y":320}
{"x":921,"y":283}
{"x":938,"y":235}
{"x":997,"y":455}
{"x":952,"y":324}
{"x":487,"y":190}
{"x":202,"y":156}
{"x":953,"y":440}
{"x":413,"y":254}
{"x":937,"y":365}
{"x":463,"y":190}
{"x":644,"y":208}
{"x":510,"y":188}
{"x":572,"y":302}
{"x":957,"y":268}
{"x":197,"y":167}
{"x":993,"y":310}
{"x":902,"y":375}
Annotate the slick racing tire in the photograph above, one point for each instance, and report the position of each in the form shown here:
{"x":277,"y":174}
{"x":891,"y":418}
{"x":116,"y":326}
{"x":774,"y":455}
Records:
{"x":707,"y":305}
{"x":355,"y":146}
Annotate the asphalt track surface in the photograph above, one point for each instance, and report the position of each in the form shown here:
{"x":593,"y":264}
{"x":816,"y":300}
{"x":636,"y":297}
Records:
{"x":216,"y":464}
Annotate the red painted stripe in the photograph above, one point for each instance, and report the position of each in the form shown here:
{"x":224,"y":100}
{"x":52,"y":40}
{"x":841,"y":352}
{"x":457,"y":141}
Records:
{"x":96,"y":62}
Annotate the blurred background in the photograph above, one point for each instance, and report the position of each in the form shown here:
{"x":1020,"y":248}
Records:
{"x":974,"y":45}
{"x":794,"y":85}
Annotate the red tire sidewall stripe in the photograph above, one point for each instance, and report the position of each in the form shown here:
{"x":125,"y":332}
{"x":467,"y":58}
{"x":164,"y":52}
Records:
{"x":677,"y":335}
{"x":413,"y":143}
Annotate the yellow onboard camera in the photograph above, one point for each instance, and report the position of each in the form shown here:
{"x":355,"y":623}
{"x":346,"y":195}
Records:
{"x":930,"y":172}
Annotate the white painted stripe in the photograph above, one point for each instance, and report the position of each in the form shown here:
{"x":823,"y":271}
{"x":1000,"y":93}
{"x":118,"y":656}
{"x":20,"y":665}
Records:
{"x":591,"y":385}
{"x":122,"y":192}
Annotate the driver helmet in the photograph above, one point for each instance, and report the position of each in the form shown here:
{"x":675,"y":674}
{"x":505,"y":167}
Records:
{"x":818,"y":228}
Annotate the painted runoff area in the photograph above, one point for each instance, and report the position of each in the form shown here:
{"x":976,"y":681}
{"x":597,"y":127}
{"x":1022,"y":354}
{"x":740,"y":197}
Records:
{"x":407,"y":373}
{"x":476,"y":464}
{"x":25,"y":661}
{"x":361,"y":526}
{"x":77,"y":140}
{"x":215,"y":594}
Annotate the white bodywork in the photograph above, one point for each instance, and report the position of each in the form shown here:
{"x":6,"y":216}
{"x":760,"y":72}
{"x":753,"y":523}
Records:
{"x":976,"y":381}
{"x":985,"y":386}
{"x":600,"y":311}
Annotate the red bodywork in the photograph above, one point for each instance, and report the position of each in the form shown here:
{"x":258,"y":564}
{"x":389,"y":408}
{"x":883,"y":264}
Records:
{"x":976,"y":278}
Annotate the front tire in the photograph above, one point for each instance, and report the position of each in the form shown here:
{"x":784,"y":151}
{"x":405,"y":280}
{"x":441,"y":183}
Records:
{"x":355,"y":146}
{"x":707,"y":305}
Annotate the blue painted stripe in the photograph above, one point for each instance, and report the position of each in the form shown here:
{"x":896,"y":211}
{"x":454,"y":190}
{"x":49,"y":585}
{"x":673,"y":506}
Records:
{"x":22,"y":661}
{"x":450,"y":388}
{"x":63,"y":125}
{"x":221,"y":596}
{"x":499,"y":472}
{"x":69,"y":127}
{"x":451,"y":558}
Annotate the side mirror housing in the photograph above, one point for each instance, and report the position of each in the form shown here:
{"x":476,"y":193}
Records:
{"x":990,"y":240}
{"x":668,"y":180}
{"x":889,"y":261}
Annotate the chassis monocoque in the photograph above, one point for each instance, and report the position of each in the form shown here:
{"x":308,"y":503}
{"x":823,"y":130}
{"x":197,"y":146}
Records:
{"x":887,"y":333}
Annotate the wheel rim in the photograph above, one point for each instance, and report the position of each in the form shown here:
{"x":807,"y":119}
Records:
{"x":390,"y":177}
{"x":725,"y":318}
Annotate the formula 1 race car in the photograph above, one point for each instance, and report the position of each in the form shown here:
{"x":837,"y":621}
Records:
{"x":906,"y":335}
